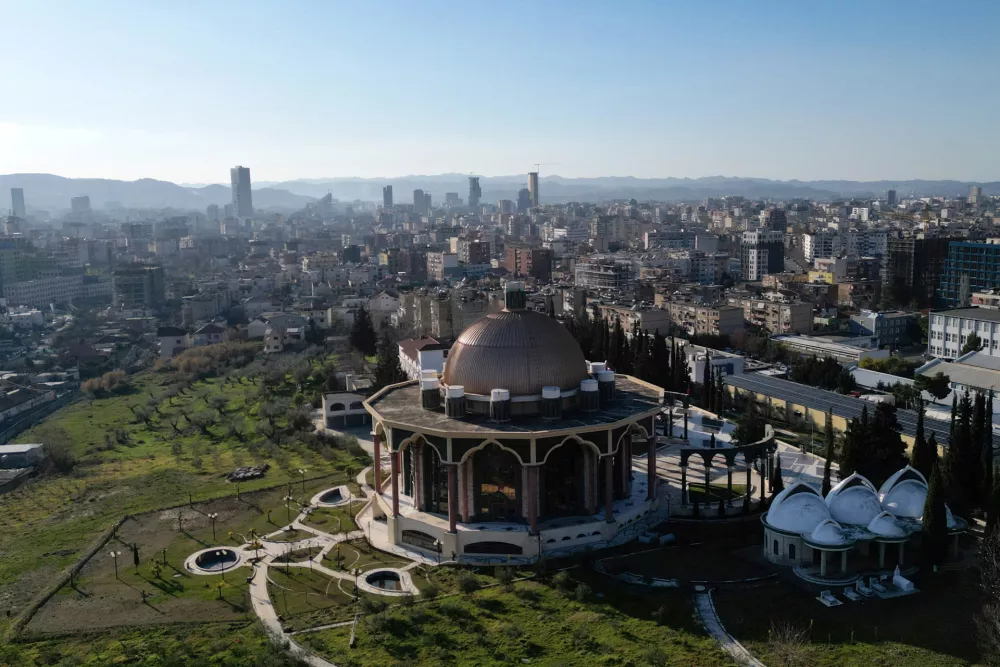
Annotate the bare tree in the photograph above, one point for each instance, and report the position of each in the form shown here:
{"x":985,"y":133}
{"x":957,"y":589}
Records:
{"x":788,"y":643}
{"x":988,"y":620}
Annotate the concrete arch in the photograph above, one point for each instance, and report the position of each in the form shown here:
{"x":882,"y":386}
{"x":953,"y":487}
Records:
{"x":574,"y":438}
{"x":486,"y":443}
{"x":419,"y":437}
{"x":378,"y":428}
{"x":632,"y":428}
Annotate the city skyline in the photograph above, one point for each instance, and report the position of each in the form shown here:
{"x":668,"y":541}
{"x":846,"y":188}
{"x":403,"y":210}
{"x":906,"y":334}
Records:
{"x":772,"y":90}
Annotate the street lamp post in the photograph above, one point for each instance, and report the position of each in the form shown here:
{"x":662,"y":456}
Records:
{"x":302,"y":472}
{"x":288,"y":506}
{"x":437,"y":548}
{"x":222,"y":554}
{"x":114,"y":557}
{"x":212,"y":517}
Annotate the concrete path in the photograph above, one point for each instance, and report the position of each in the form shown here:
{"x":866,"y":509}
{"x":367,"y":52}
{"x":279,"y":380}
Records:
{"x":705,"y":609}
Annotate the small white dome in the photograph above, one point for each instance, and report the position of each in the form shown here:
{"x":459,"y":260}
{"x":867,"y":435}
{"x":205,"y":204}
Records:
{"x":797,"y":509}
{"x":830,"y":533}
{"x":853,"y":501}
{"x":906,"y":499}
{"x":886,"y":525}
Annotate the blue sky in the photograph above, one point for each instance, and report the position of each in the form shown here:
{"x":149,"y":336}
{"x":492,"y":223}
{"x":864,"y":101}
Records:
{"x":807,"y":89}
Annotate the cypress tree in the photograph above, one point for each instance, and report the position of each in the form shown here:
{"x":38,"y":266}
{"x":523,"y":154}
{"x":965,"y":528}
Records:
{"x":777,"y":483}
{"x":923,"y":456}
{"x":993,"y":511}
{"x":720,"y":402}
{"x":959,"y":469}
{"x":387,"y":367}
{"x":978,"y":428}
{"x":987,"y":463}
{"x":706,"y":381}
{"x":827,"y":472}
{"x":954,"y":415}
{"x":935,"y":522}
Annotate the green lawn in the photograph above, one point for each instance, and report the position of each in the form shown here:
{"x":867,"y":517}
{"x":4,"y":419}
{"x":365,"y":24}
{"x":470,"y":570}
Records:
{"x":536,"y":623}
{"x":334,"y":520}
{"x":935,"y":627}
{"x":359,"y":555}
{"x":125,"y":467}
{"x":241,"y":644}
{"x":716,"y":492}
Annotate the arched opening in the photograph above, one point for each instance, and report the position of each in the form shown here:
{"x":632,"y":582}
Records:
{"x":776,"y":552}
{"x":434,"y":480}
{"x":356,"y":405}
{"x":496,"y":484}
{"x":337,"y":407}
{"x":419,"y":539}
{"x":493,"y":548}
{"x":562,"y":488}
{"x":791,"y":552}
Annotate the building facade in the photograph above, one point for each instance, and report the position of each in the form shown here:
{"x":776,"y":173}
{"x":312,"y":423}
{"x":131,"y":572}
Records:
{"x":949,"y":330}
{"x":239,"y":178}
{"x":762,"y":252}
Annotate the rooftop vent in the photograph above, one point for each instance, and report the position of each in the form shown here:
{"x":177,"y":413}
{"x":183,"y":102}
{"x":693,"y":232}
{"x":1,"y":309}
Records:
{"x":590,"y":398}
{"x":551,"y":403}
{"x":430,"y":393}
{"x":606,"y":386}
{"x":514,"y":296}
{"x":454,"y":401}
{"x":500,"y":405}
{"x":597,"y":367}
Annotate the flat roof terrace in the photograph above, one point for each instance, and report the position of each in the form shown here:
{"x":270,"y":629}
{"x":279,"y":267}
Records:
{"x":399,"y":405}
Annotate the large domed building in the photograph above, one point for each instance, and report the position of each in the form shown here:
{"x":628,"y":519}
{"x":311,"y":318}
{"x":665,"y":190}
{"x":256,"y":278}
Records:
{"x":519,"y":447}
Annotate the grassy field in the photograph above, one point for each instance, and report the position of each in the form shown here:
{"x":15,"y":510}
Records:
{"x":241,"y":644}
{"x":538,"y":623}
{"x":716,"y":492}
{"x":932,"y":628}
{"x":128,"y":465}
{"x":98,"y":598}
{"x":702,"y":562}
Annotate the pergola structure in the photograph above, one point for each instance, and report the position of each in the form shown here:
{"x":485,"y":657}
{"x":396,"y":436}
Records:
{"x":755,"y":451}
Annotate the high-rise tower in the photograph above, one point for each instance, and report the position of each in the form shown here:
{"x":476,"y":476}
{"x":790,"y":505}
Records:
{"x":475,"y":193}
{"x":239,"y":178}
{"x":387,"y":196}
{"x":533,"y":187}
{"x":17,"y":202}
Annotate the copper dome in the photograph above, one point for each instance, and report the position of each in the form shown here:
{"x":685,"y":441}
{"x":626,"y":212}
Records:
{"x":518,"y":350}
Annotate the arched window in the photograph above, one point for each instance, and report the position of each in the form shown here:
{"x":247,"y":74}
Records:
{"x":776,"y":547}
{"x":356,"y":405}
{"x":337,"y":407}
{"x":791,"y":552}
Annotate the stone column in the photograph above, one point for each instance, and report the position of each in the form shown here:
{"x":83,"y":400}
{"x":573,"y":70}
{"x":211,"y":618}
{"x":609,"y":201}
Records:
{"x":452,"y":499}
{"x":708,"y":477}
{"x":377,"y":442}
{"x":417,"y":456}
{"x":684,"y":478}
{"x":609,"y":487}
{"x":588,"y":480}
{"x":651,"y":467}
{"x":749,"y":485}
{"x":843,"y":561}
{"x":685,"y":425}
{"x":881,"y":554}
{"x":462,"y":508}
{"x":822,"y":563}
{"x":533,"y":499}
{"x":729,"y":485}
{"x":902,"y":550}
{"x":394,"y":471}
{"x":763,"y":479}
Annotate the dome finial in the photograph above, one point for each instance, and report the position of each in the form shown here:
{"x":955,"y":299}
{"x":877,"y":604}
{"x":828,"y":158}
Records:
{"x":514,"y":296}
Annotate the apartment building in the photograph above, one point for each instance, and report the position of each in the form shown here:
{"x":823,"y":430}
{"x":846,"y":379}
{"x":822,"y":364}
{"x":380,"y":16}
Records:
{"x":949,"y":330}
{"x":777,"y":315}
{"x":698,"y":318}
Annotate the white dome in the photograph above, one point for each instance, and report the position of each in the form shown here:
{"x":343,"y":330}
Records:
{"x":888,"y":526}
{"x":830,"y":533}
{"x":906,"y":499}
{"x":797,"y":509}
{"x":853,"y":501}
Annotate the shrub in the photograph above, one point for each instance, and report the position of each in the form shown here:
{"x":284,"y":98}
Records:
{"x":60,"y":458}
{"x":655,"y":656}
{"x":372,"y":606}
{"x":506,"y":578}
{"x":582,"y":593}
{"x":562,"y":580}
{"x":467,"y":583}
{"x":430,"y":591}
{"x":407,"y":600}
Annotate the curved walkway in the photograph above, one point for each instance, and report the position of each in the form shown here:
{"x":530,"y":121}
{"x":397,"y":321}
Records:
{"x":705,"y":609}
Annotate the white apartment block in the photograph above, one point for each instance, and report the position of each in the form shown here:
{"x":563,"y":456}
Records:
{"x":820,"y":244}
{"x":866,"y":243}
{"x":949,"y":330}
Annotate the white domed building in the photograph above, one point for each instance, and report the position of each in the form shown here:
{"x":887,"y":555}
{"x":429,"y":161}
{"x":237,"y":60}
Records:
{"x":520,"y":447}
{"x":854,"y":522}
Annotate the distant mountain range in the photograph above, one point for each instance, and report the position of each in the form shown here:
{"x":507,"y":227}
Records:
{"x":53,"y":193}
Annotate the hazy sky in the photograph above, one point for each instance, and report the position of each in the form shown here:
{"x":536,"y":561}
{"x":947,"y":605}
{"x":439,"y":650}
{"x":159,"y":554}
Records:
{"x":801,"y":89}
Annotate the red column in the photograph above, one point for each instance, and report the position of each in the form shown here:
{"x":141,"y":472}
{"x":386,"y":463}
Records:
{"x":452,"y":497}
{"x":377,"y":440}
{"x":651,"y":467}
{"x":394,"y":463}
{"x":533,"y":499}
{"x":609,"y":487}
